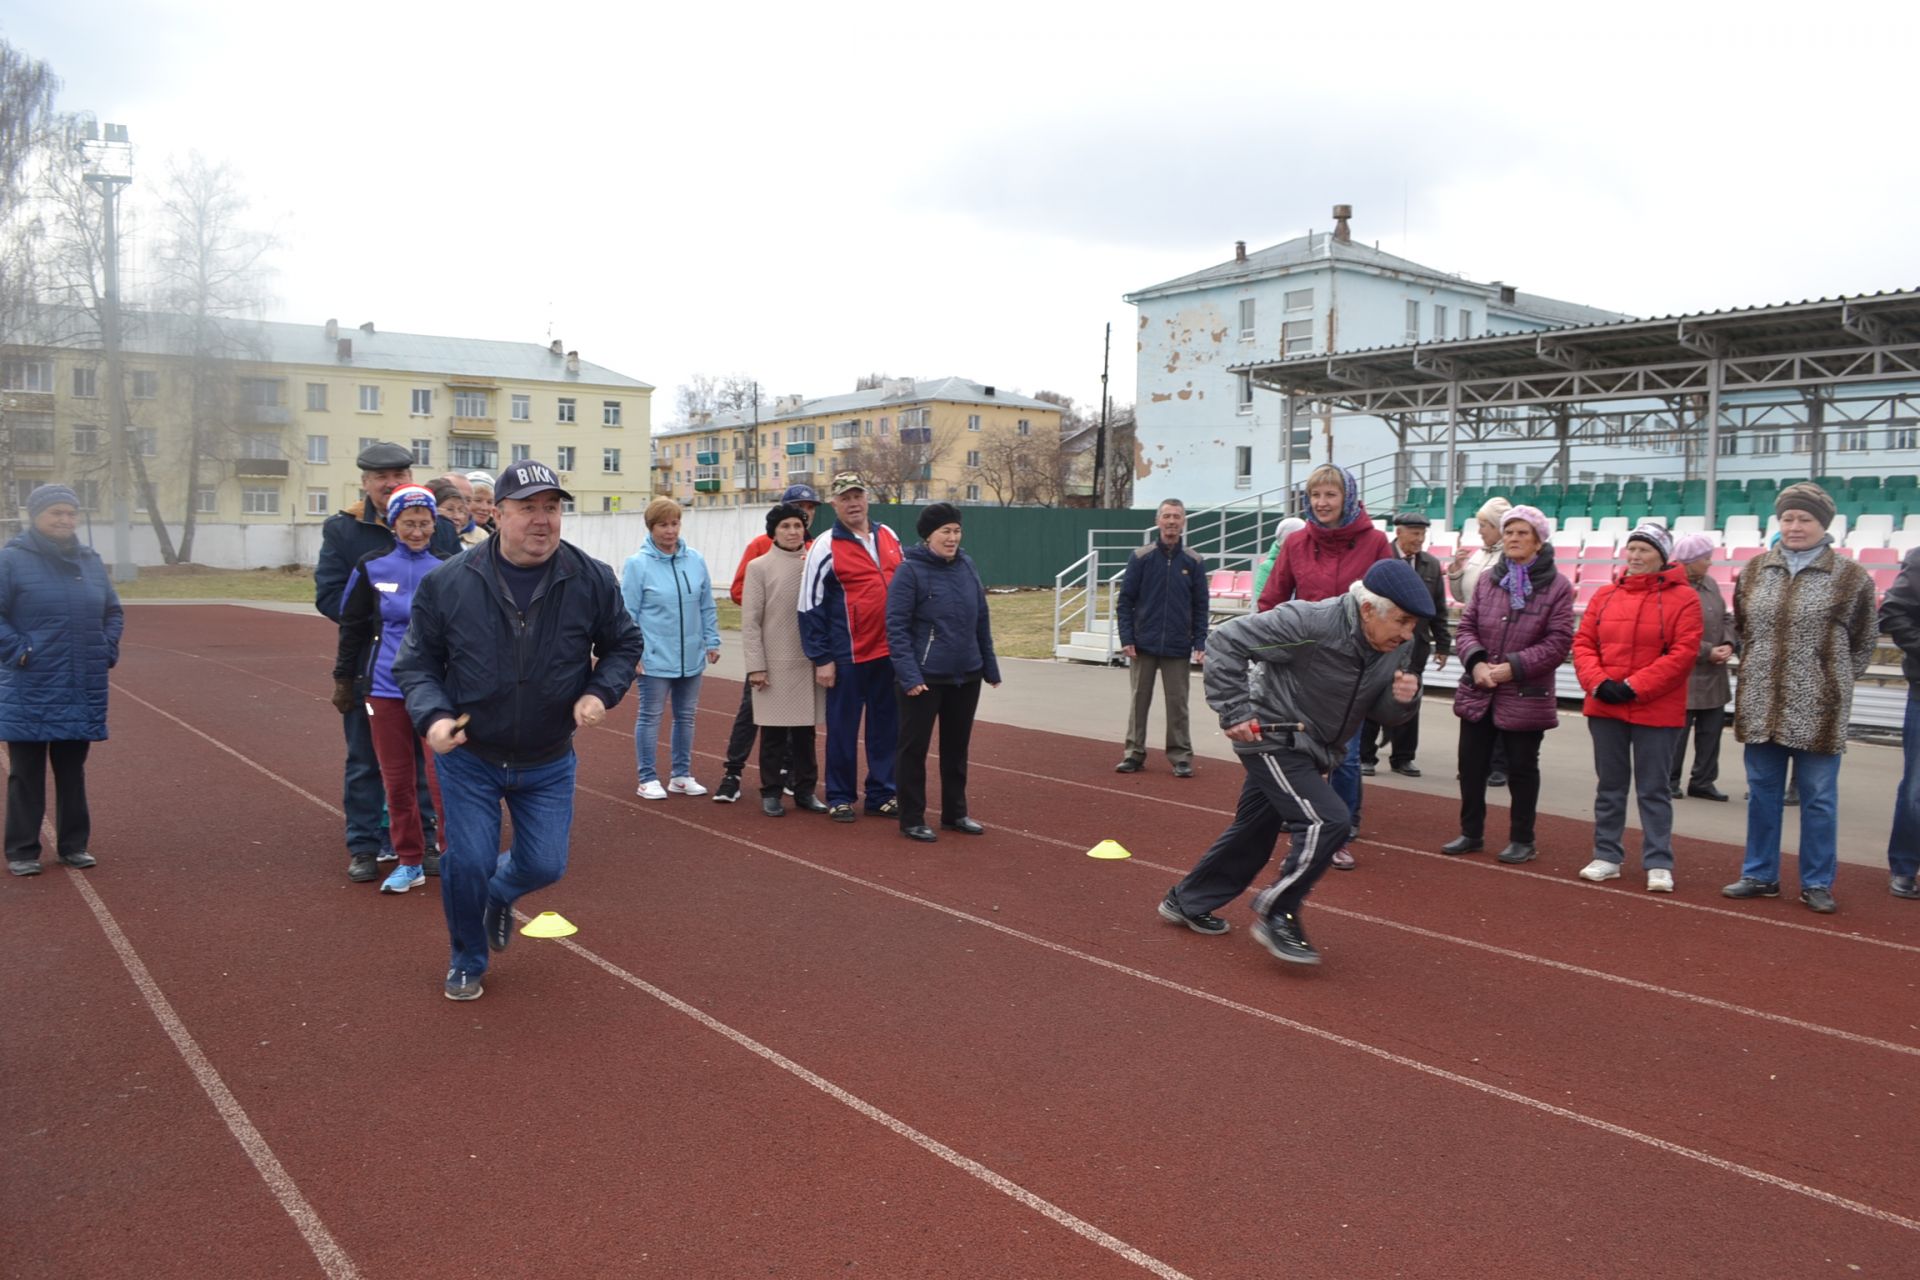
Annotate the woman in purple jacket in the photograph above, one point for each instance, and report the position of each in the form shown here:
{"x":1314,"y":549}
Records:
{"x":1516,"y":631}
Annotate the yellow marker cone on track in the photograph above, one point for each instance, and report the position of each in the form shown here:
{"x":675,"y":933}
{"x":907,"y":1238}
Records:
{"x":1108,"y":849}
{"x":549,"y":924}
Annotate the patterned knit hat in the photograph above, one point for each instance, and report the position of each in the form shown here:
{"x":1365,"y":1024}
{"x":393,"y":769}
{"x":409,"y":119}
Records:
{"x":1655,"y":536}
{"x":1808,"y":497}
{"x":410,"y":495}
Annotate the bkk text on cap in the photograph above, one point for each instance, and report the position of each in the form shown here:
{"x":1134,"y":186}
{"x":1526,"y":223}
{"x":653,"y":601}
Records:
{"x":524,"y":479}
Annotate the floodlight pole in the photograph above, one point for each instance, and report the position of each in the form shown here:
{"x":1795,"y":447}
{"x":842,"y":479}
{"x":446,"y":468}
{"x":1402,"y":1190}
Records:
{"x":110,"y":185}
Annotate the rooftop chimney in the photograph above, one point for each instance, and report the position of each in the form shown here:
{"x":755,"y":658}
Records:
{"x":558,"y":348}
{"x":344,"y":349}
{"x":1239,"y":250}
{"x":367,"y":327}
{"x":1341,"y":212}
{"x":333,"y":330}
{"x":573,"y":362}
{"x":1506,"y":291}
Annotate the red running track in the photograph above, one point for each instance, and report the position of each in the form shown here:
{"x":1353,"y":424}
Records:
{"x":790,"y":1047}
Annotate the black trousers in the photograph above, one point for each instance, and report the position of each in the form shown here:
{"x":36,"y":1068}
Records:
{"x":1403,"y":741}
{"x":1480,"y":741}
{"x":787,"y":759}
{"x":953,"y":705}
{"x":1706,"y":727}
{"x":27,"y":797}
{"x":740,"y":739}
{"x":1284,"y":792}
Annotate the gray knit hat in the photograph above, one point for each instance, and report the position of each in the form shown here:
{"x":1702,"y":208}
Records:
{"x":1655,"y":536}
{"x":1808,"y":497}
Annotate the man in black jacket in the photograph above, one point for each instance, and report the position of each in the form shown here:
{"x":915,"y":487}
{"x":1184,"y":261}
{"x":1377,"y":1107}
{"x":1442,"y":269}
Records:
{"x":1430,"y":638}
{"x":513,"y":644}
{"x":1161,"y":614}
{"x":348,"y":537}
{"x":1900,"y":620}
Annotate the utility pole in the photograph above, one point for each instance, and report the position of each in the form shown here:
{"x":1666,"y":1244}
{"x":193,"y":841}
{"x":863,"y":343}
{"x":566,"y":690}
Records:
{"x":1100,"y":437}
{"x":111,"y":160}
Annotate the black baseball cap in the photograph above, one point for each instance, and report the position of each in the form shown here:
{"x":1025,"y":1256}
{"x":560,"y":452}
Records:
{"x":524,"y":479}
{"x":800,"y":493}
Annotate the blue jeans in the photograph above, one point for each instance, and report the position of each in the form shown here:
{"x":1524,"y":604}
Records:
{"x":1903,"y":846}
{"x":654,"y":692}
{"x":1819,"y":778}
{"x":472,"y":871}
{"x":1345,"y":780}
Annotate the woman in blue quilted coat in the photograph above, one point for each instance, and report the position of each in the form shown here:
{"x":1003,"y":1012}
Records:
{"x":60,"y":625}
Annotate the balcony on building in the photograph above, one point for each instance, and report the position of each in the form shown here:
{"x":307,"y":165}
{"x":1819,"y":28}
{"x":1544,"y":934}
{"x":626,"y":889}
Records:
{"x":707,"y":478}
{"x":795,"y":448}
{"x":261,"y":468}
{"x":265,"y":415}
{"x":706,"y":486}
{"x":473,"y":403}
{"x":663,"y":464}
{"x":802,"y":467}
{"x":707,"y":458}
{"x":916,"y":435}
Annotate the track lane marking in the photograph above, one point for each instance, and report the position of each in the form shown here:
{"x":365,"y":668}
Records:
{"x":326,"y":1250}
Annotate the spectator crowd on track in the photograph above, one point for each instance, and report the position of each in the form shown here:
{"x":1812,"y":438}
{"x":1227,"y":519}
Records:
{"x":473,"y":642}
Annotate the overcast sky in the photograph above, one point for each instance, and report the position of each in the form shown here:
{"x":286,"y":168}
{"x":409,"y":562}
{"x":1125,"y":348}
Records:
{"x":809,"y":192}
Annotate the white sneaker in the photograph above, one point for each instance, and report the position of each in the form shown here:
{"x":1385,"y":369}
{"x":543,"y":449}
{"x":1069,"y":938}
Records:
{"x":651,"y":790}
{"x":1600,"y":869}
{"x":1659,"y":882}
{"x":686,"y":787}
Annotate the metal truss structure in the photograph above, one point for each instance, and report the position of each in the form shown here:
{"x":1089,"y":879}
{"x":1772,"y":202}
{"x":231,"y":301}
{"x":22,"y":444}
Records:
{"x":1809,"y":366}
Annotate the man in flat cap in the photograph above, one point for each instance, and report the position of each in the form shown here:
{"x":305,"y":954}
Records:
{"x":1430,"y":639}
{"x":347,"y":537}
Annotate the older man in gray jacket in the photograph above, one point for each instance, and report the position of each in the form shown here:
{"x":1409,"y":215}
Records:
{"x":1324,"y":667}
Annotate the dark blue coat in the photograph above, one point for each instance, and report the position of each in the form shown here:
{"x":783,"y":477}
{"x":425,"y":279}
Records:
{"x":60,"y":624}
{"x":1162,"y":605}
{"x":937,"y":624}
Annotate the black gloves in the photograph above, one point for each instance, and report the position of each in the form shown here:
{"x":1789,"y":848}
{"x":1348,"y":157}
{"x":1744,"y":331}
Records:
{"x":1615,"y":691}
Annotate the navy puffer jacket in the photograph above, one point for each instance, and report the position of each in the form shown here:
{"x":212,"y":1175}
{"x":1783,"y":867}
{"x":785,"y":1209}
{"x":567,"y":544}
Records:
{"x":937,"y":624}
{"x":60,"y":624}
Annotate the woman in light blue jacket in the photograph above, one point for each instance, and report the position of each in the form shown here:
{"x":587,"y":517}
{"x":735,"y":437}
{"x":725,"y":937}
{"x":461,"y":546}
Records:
{"x":670,"y":596}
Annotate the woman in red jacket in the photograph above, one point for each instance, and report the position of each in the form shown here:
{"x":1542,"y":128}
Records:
{"x":1633,"y":655}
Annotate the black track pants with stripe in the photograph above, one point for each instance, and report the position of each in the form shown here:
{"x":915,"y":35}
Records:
{"x":1284,"y":792}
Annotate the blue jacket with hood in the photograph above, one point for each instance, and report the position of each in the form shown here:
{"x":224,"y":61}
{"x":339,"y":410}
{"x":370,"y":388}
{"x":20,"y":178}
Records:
{"x":60,"y":624}
{"x":670,"y":597}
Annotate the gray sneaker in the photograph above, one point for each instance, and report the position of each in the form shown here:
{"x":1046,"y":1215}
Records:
{"x":462,"y":985}
{"x":80,"y":859}
{"x":1205,"y":922}
{"x":23,"y":867}
{"x":1820,"y":899}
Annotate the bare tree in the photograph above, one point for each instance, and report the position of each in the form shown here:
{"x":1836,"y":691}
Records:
{"x":1005,"y":463}
{"x":211,"y":272}
{"x":893,"y":464}
{"x":28,"y":130}
{"x":704,"y":395}
{"x":27,"y":119}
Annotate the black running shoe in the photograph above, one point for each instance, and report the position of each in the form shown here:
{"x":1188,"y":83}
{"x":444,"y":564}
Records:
{"x":1205,"y":922}
{"x":1282,"y":935}
{"x":498,"y":922}
{"x":728,"y":791}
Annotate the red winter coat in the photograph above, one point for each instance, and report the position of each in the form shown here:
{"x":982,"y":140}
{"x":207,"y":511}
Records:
{"x":1643,"y":628}
{"x":1318,"y":563}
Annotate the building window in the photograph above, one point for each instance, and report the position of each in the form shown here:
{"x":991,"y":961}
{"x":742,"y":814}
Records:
{"x":473,"y":455}
{"x":316,"y":449}
{"x":920,"y":491}
{"x":88,"y":492}
{"x":522,"y":409}
{"x":32,"y":432}
{"x":565,"y":411}
{"x":1413,"y":320}
{"x":1026,"y":427}
{"x":146,"y":384}
{"x":1243,"y":392}
{"x":973,"y":457}
{"x":258,"y":444}
{"x":1853,"y":441}
{"x":563,"y":458}
{"x":1296,"y":336}
{"x":86,"y":382}
{"x":367,"y":442}
{"x":610,"y":461}
{"x":1900,"y":438}
{"x":1439,"y":322}
{"x":422,"y":452}
{"x":1246,"y":319}
{"x":566,"y":506}
{"x":206,"y":502}
{"x":973,"y":422}
{"x":1299,"y":299}
{"x":1768,"y":444}
{"x":369,"y":399}
{"x":316,"y":397}
{"x":264,"y":392}
{"x":609,"y":413}
{"x":973,"y":493}
{"x":1243,"y":466}
{"x":26,"y":375}
{"x":86,"y":439}
{"x":1729,"y":445}
{"x":520,"y":452}
{"x":259,"y":500}
{"x":421,"y":405}
{"x":317,"y":504}
{"x":470,"y":404}
{"x":1466,"y":324}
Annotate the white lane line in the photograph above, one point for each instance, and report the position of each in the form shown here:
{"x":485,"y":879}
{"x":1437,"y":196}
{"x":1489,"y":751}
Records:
{"x":1527,"y":957}
{"x":973,"y":1168}
{"x":248,"y":761}
{"x":326,"y":1250}
{"x":1006,"y":1187}
{"x":1319,"y":1033}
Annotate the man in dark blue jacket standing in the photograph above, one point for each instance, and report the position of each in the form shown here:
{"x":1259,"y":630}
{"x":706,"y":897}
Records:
{"x":346,"y":539}
{"x":1162,"y":615}
{"x":512,"y":645}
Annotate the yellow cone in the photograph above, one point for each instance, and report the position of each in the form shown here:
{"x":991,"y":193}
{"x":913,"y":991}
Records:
{"x":549,"y":924}
{"x":1108,"y":849}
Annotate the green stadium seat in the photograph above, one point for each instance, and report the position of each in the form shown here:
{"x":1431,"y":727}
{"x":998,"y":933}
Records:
{"x":1694,"y":504}
{"x":1669,"y":511}
{"x":1832,"y":484}
{"x":1870,"y":483}
{"x":1891,"y":483}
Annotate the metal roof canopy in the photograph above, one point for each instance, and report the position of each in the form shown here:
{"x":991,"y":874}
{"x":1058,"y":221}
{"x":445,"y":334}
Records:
{"x":1808,"y":348}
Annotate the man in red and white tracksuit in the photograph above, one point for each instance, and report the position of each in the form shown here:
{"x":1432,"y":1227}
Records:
{"x":843,"y":628}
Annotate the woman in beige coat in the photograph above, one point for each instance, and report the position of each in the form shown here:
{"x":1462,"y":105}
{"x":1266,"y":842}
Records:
{"x":787,"y":703}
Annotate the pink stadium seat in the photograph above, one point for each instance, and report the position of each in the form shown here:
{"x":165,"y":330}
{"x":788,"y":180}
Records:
{"x":1587,"y":589}
{"x":1566,"y":551}
{"x":1220,"y":582}
{"x":1590,"y":571}
{"x":1883,"y":578}
{"x":1243,"y":585}
{"x":1724,"y":574}
{"x":1743,"y":554}
{"x":1877,"y":556}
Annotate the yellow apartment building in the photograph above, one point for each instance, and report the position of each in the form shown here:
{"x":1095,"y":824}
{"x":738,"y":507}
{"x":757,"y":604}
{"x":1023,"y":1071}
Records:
{"x":940,"y":439}
{"x":293,"y":404}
